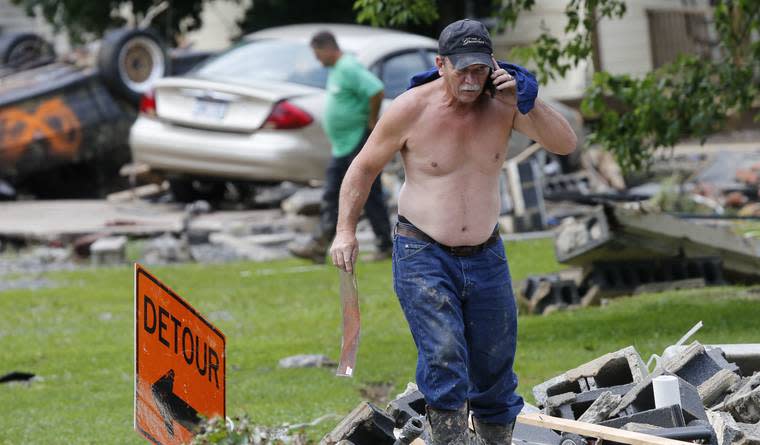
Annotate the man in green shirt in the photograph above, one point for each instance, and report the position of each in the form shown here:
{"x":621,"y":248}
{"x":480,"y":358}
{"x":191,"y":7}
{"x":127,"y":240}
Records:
{"x":354,"y":96}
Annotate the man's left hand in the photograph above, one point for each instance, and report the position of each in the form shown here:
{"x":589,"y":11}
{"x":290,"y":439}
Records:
{"x":506,"y":85}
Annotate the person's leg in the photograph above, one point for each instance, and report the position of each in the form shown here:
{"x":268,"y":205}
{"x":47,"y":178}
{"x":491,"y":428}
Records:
{"x":490,"y":315}
{"x":377,"y":212}
{"x":425,"y":280}
{"x":316,"y":248}
{"x":328,"y":210}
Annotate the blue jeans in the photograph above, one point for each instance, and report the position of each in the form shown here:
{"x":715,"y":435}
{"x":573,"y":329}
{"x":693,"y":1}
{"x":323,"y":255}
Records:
{"x":463,"y":318}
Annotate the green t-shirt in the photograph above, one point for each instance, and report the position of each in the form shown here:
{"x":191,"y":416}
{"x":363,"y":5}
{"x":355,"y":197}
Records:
{"x":349,"y":88}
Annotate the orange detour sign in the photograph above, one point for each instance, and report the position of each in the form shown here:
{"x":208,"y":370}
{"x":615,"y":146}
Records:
{"x":179,"y":364}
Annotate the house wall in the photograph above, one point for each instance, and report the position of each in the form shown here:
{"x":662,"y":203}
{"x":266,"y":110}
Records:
{"x":624,"y":44}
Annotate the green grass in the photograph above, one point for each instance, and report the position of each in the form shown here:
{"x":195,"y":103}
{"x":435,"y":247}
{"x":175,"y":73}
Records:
{"x":79,"y":339}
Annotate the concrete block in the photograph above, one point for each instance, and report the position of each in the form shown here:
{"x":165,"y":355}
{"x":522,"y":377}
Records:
{"x":667,"y":417}
{"x":540,"y":292}
{"x":695,"y":364}
{"x":574,"y":407}
{"x":617,"y":368}
{"x":409,"y":404}
{"x":730,"y":432}
{"x":109,"y":250}
{"x":641,"y":398}
{"x":366,"y":424}
{"x":601,"y":408}
{"x":303,"y":202}
{"x":744,"y":404}
{"x":714,"y":389}
{"x":654,"y":273}
{"x":613,"y":232}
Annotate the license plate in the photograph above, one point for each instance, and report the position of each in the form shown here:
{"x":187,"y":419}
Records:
{"x":209,"y":109}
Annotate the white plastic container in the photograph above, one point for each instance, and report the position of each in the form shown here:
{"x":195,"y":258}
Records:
{"x":666,"y":392}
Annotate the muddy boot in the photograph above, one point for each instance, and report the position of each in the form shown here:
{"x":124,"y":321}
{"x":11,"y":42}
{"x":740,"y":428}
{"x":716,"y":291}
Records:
{"x":492,"y":433}
{"x":448,"y":427}
{"x":313,"y":249}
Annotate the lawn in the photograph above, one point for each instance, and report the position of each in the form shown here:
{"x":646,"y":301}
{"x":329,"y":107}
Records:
{"x":78,"y":338}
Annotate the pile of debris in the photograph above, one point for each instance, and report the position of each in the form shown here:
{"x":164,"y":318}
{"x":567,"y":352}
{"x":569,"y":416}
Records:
{"x":716,"y":401}
{"x":621,"y":249}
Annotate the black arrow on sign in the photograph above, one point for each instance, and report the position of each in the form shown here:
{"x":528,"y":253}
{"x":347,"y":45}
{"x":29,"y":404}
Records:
{"x":172,"y":408}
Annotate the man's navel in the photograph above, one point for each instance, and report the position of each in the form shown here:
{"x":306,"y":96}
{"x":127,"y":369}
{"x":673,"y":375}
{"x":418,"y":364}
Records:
{"x":434,"y":164}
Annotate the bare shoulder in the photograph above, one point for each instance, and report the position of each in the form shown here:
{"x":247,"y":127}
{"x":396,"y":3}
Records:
{"x":407,"y":107}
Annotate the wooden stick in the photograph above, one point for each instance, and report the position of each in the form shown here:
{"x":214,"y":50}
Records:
{"x":592,"y":430}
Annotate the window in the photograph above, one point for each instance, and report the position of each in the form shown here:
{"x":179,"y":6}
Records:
{"x":277,"y":60}
{"x":676,"y":32}
{"x":398,"y":69}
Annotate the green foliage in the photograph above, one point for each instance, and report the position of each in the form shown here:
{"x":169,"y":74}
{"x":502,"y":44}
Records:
{"x":552,"y":57}
{"x":632,"y":117}
{"x":395,"y":13}
{"x":86,"y":19}
{"x":689,"y":98}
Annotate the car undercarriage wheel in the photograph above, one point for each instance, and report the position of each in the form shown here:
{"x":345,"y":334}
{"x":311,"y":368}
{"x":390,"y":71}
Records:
{"x":130,"y":60}
{"x":24,"y":50}
{"x":190,"y":190}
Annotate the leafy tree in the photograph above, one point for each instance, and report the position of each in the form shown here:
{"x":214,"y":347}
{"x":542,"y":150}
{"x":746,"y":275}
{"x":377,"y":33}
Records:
{"x":83,"y":19}
{"x":691,"y":97}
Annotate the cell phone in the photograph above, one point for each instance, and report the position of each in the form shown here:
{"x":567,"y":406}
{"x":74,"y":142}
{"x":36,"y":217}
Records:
{"x":489,"y":86}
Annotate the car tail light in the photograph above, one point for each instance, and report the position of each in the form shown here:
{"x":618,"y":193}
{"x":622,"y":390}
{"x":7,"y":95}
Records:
{"x":286,"y":116}
{"x":148,"y":103}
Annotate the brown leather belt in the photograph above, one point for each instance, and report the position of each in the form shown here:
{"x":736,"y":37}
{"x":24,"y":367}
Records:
{"x":410,"y":231}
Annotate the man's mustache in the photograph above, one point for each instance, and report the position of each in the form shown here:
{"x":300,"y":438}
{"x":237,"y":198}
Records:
{"x":470,"y":87}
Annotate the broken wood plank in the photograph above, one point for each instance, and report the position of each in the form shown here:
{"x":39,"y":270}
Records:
{"x":596,"y":431}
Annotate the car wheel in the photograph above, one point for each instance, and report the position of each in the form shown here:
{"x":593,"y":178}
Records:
{"x":24,"y":50}
{"x":130,"y":60}
{"x":190,"y":190}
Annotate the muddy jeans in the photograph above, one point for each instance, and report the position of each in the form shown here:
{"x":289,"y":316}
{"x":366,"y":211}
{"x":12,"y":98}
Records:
{"x":463,"y":318}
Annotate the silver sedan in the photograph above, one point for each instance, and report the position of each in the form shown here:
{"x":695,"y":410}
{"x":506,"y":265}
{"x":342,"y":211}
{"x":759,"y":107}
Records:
{"x":252,"y":114}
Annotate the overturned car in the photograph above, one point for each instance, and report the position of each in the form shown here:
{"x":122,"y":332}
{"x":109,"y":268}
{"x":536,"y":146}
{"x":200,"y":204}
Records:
{"x":64,"y":123}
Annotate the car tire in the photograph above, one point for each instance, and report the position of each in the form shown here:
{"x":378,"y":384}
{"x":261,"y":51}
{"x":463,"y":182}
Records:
{"x":190,"y":190}
{"x":130,"y":60}
{"x":24,"y":50}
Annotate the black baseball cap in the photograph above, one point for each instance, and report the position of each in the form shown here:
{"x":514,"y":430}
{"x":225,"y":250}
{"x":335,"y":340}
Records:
{"x":466,"y":42}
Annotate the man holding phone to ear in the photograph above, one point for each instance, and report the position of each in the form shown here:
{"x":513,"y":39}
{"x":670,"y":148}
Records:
{"x":450,"y":270}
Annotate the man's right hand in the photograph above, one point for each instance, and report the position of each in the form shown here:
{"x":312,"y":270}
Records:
{"x":345,"y":250}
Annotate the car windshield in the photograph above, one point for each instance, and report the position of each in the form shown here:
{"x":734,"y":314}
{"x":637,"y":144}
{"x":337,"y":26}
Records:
{"x":277,"y":60}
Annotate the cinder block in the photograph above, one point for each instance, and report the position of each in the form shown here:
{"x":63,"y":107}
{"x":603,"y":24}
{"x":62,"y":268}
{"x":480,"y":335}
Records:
{"x":575,"y":405}
{"x":408,"y":405}
{"x":109,"y":251}
{"x":617,"y":368}
{"x":668,"y":417}
{"x":697,"y":365}
{"x":366,"y":424}
{"x":601,"y":408}
{"x":641,"y":398}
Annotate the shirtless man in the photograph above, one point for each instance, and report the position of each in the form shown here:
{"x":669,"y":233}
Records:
{"x":449,"y":266}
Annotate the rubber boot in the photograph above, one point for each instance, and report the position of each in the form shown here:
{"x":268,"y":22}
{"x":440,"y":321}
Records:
{"x":448,"y":427}
{"x":314,"y":250}
{"x":493,"y":433}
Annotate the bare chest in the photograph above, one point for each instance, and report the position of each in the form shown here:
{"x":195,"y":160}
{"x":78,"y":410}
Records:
{"x":443,"y":143}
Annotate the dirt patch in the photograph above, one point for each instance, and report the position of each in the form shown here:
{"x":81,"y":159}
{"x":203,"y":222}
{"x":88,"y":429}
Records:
{"x":377,"y":393}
